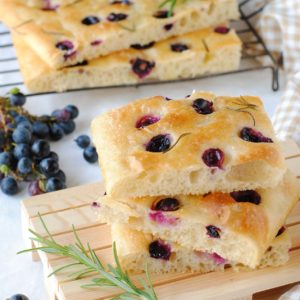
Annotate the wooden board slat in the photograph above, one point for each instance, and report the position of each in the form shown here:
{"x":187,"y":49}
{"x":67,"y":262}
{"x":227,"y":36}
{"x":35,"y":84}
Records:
{"x":62,"y":209}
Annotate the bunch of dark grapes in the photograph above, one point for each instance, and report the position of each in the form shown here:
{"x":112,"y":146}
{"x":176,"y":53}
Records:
{"x":25,"y":154}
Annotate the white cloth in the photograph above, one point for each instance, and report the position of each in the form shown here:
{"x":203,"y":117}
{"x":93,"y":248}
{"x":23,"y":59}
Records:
{"x":280,"y":28}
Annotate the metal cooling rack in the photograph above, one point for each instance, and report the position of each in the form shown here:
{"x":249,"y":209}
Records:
{"x":254,"y":51}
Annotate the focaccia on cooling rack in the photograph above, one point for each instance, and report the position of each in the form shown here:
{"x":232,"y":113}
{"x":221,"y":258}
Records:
{"x":88,"y":29}
{"x":206,"y":51}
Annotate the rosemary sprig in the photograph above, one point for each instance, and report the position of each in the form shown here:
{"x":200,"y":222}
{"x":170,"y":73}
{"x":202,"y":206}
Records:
{"x":171,"y":4}
{"x":244,"y":107}
{"x":90,"y":263}
{"x":180,"y":137}
{"x":131,"y":29}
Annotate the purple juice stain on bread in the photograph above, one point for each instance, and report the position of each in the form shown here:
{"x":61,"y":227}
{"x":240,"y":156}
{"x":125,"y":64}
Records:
{"x":164,"y":220}
{"x":96,"y":42}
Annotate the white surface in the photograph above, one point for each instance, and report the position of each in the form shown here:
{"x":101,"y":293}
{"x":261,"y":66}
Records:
{"x":18,"y":273}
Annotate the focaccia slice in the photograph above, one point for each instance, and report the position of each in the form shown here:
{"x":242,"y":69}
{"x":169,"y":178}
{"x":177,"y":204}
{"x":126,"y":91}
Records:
{"x":196,"y":145}
{"x":136,"y":250}
{"x":211,"y":50}
{"x":239,"y":226}
{"x":88,"y":29}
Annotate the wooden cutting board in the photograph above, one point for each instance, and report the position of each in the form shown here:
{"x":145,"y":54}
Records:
{"x":61,"y":210}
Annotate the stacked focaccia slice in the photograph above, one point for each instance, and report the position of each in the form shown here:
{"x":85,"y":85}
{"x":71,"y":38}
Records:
{"x":103,"y":43}
{"x":202,"y":176}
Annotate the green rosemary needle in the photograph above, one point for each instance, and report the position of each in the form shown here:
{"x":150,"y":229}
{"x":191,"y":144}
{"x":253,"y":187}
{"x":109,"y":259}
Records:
{"x":171,"y":4}
{"x":86,"y":257}
{"x":244,"y":107}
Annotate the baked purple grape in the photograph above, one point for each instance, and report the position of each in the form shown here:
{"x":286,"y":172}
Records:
{"x":90,"y":20}
{"x":213,"y":231}
{"x":168,"y":27}
{"x":146,"y":121}
{"x":179,"y":47}
{"x":250,"y":196}
{"x":213,"y":158}
{"x":141,"y":67}
{"x":116,"y":17}
{"x":142,"y":47}
{"x":160,"y":250}
{"x":159,"y":143}
{"x":222,"y":29}
{"x":202,"y":106}
{"x":162,"y":14}
{"x":166,"y":204}
{"x":125,"y":2}
{"x":65,"y":45}
{"x":251,"y":135}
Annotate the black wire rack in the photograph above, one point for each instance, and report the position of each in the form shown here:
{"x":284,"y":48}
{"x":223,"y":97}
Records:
{"x":254,"y":51}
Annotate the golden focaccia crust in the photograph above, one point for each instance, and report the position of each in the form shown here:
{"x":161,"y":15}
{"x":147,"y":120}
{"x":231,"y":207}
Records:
{"x":186,"y":56}
{"x":228,"y":144}
{"x":238,"y":226}
{"x":88,"y":29}
{"x":139,"y":249}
